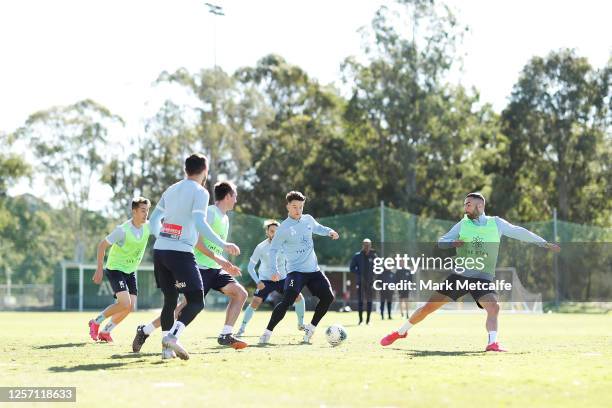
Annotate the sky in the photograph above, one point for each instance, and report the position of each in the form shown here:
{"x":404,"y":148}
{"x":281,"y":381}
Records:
{"x":58,"y":52}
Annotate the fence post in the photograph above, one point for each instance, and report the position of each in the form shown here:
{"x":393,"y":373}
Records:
{"x":382,"y":228}
{"x":80,"y":287}
{"x":555,"y":260}
{"x":63,"y":286}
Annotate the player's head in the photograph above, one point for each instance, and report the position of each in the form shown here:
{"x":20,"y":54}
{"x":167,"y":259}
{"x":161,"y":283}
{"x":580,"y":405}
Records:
{"x":140,"y":209}
{"x":474,"y":205}
{"x":366,"y":245}
{"x":270,"y":227}
{"x":196,"y":167}
{"x":225,"y":195}
{"x":295,"y":204}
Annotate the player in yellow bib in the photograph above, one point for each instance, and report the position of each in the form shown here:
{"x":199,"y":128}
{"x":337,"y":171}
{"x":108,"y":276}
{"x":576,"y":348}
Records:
{"x":476,"y":237}
{"x":127,"y":245}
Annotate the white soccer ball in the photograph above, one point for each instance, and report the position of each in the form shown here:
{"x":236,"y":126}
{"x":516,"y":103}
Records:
{"x":335,"y":334}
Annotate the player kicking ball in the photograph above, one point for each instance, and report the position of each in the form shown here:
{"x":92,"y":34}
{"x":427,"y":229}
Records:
{"x":476,"y":235}
{"x":127,"y":243}
{"x":263,"y":278}
{"x":294,"y":239}
{"x":216,"y":272}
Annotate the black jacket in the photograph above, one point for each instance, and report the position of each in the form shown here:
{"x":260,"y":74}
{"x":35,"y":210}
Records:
{"x":362,"y":265}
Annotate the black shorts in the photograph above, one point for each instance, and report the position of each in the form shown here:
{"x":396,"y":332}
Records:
{"x":454,"y":293}
{"x":121,"y":281}
{"x":215,"y":279}
{"x":176,"y":269}
{"x":316,"y":282}
{"x":270,"y":287}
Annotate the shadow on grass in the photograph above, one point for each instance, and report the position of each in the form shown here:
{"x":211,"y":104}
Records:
{"x":64,"y":345}
{"x":86,"y":367}
{"x":133,"y":355}
{"x":447,"y":353}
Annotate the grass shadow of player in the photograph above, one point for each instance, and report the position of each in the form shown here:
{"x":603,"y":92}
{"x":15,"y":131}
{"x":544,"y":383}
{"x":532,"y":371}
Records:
{"x":86,"y":367}
{"x":447,"y":353}
{"x":276,"y":345}
{"x":63,"y":345}
{"x":133,"y":355}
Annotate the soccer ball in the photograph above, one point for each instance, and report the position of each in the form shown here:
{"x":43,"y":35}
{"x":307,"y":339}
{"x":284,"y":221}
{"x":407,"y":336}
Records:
{"x":335,"y":334}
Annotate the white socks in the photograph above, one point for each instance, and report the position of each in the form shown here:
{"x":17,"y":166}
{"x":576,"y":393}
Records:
{"x":227,"y":329}
{"x":405,"y":327}
{"x":492,"y":337}
{"x":177,"y":328}
{"x":110,"y":326}
{"x":148,"y":329}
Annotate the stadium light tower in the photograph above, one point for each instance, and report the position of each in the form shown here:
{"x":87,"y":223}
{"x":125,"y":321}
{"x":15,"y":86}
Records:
{"x":215,"y":11}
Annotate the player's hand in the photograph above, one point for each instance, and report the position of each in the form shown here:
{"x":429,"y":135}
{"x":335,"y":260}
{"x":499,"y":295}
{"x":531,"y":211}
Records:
{"x":333,"y":234}
{"x":232,"y":249}
{"x":458,"y":243}
{"x":233,"y":270}
{"x":275,"y":277}
{"x":552,"y":247}
{"x":97,"y":277}
{"x":260,"y":285}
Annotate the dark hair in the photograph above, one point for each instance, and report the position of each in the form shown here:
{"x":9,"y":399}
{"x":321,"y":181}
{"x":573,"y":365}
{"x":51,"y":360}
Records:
{"x":222,"y":189}
{"x":269,"y":223}
{"x":476,"y":195}
{"x":136,"y":201}
{"x":294,"y":195}
{"x":195,"y":164}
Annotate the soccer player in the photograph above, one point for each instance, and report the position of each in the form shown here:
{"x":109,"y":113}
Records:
{"x":294,"y":238}
{"x":476,"y":234}
{"x":183,"y":208}
{"x":217,"y":272}
{"x":263,"y":278}
{"x":127,"y":245}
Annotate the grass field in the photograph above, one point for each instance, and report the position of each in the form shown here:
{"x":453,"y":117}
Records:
{"x":554,"y":360}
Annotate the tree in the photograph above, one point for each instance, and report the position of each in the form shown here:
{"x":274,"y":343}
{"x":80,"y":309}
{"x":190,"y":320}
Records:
{"x":68,"y":144}
{"x":558,"y":126}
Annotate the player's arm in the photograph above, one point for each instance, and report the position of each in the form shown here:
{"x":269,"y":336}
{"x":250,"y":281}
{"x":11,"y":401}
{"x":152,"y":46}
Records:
{"x":323,"y":230}
{"x":155,"y":219}
{"x":354,"y":267}
{"x":253,"y":261}
{"x":451,"y":238}
{"x":523,"y":234}
{"x":117,"y":236}
{"x":199,"y":211}
{"x":276,"y":246}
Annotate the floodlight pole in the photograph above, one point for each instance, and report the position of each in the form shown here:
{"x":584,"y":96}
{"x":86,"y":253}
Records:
{"x":215,"y":11}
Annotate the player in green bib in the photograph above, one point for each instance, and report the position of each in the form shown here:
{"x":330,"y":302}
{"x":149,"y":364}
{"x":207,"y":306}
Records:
{"x":476,"y":238}
{"x":127,"y":243}
{"x":216,"y":271}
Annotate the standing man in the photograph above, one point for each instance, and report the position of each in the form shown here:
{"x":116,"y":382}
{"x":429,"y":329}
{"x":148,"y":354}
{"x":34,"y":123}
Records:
{"x":263,"y":278}
{"x":127,"y":245}
{"x":294,"y":238}
{"x":475,"y":236}
{"x":216,"y":271}
{"x":361,"y":266}
{"x":183,"y":208}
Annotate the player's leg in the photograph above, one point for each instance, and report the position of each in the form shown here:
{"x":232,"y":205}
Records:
{"x":248,"y":314}
{"x":293,"y":287}
{"x":369,"y":293}
{"x":183,"y":274}
{"x":118,"y":284}
{"x":300,"y":311}
{"x":436,"y":301}
{"x":319,"y":286}
{"x":124,"y":303}
{"x":237,"y":295}
{"x":360,"y":294}
{"x":258,"y":298}
{"x":490,"y":304}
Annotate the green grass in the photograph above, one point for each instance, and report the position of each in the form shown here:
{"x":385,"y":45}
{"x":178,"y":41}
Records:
{"x":554,"y":360}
